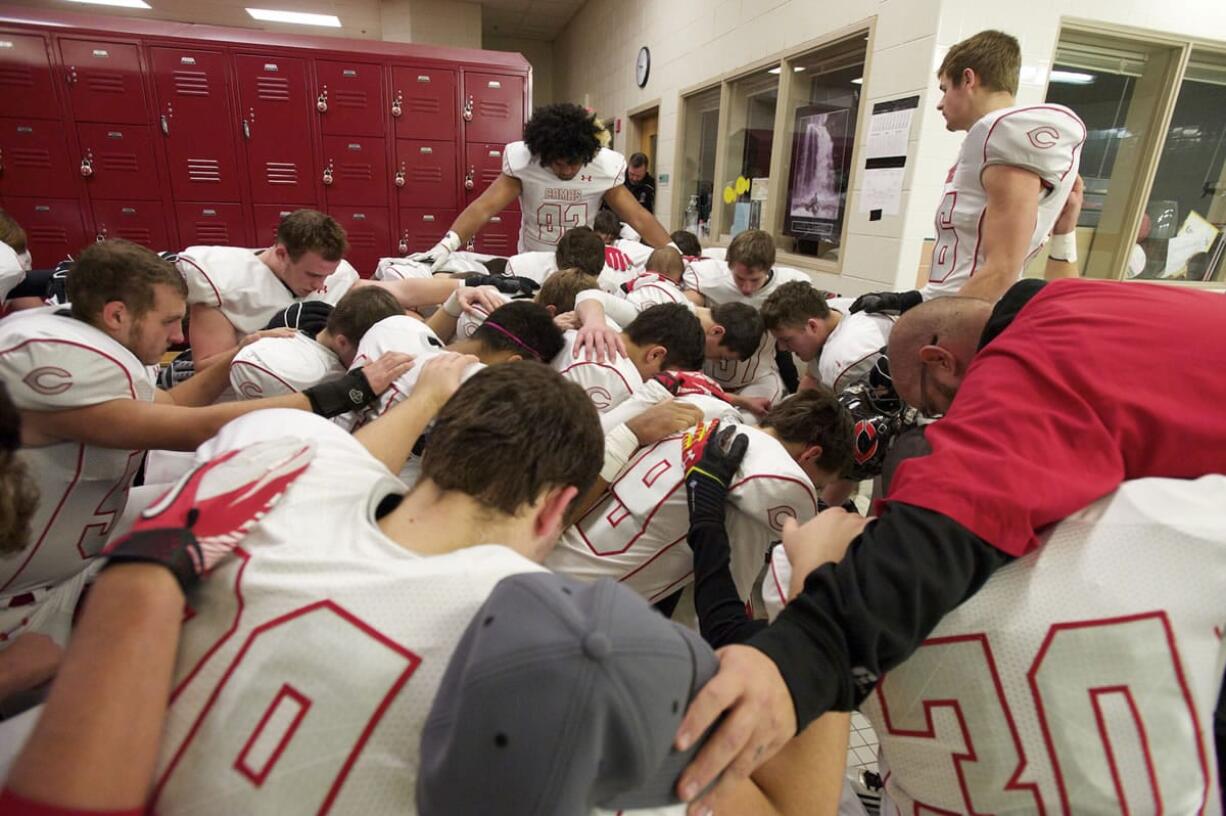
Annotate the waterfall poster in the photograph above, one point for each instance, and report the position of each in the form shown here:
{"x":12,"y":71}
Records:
{"x":821,"y":142}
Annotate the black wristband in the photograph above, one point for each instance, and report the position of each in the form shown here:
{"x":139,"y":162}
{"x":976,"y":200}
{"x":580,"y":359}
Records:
{"x":175,"y":548}
{"x":349,"y":392}
{"x":706,"y":499}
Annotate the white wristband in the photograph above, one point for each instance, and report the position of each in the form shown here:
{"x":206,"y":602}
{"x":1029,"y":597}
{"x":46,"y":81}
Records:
{"x":452,"y":305}
{"x":619,"y":445}
{"x":451,"y":240}
{"x":1063,"y":247}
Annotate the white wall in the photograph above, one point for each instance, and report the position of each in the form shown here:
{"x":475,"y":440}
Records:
{"x":694,"y":41}
{"x":539,"y":55}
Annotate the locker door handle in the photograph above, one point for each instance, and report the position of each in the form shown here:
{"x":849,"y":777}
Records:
{"x":71,"y":76}
{"x":468,"y":179}
{"x":468,"y":109}
{"x":165,"y":125}
{"x":246,"y":130}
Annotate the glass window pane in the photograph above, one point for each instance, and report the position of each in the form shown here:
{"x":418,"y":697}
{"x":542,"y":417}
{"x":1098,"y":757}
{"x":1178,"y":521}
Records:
{"x":751,"y":128}
{"x":1181,"y":236}
{"x":698,"y":162}
{"x":825,"y":103}
{"x":1116,"y":87}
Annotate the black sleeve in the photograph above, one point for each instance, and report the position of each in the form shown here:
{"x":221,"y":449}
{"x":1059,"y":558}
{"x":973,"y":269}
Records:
{"x":35,"y":284}
{"x":722,"y":619}
{"x":863,"y":616}
{"x":649,"y":195}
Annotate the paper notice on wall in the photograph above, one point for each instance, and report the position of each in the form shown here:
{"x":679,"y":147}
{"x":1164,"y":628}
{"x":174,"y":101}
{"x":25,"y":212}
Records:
{"x":881,"y":192}
{"x":890,"y":128}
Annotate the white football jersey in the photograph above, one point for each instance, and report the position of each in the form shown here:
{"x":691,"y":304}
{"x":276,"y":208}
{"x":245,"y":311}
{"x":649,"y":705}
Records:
{"x":636,"y":251}
{"x":244,"y":289}
{"x":537,"y":265}
{"x":1043,"y":139}
{"x":396,"y":333}
{"x":636,"y":532}
{"x":468,"y":322}
{"x":389,"y":269}
{"x":1081,"y":678}
{"x":11,"y":270}
{"x":852,"y":349}
{"x":649,"y":289}
{"x":310,"y":659}
{"x":712,"y":278}
{"x":273,"y":366}
{"x":549,"y":205}
{"x":607,"y":384}
{"x":54,"y":362}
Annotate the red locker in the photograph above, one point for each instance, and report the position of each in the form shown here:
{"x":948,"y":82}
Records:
{"x":421,"y":229}
{"x":350,"y":99}
{"x":425,"y":173}
{"x":500,"y":235}
{"x":104,"y":81}
{"x":53,"y":227}
{"x":275,"y":107}
{"x":117,"y":161}
{"x":34,"y":159}
{"x":355,"y":170}
{"x":212,"y":225}
{"x":423,"y":103}
{"x":482,"y":167}
{"x":369,"y":236}
{"x":138,"y":221}
{"x":196,"y":122}
{"x":493,"y":107}
{"x":25,"y":77}
{"x":268,"y":218}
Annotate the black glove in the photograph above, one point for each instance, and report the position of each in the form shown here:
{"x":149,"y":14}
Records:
{"x":711,"y":460}
{"x":896,"y":302}
{"x":309,"y":317}
{"x":349,"y":392}
{"x":180,"y":369}
{"x":512,"y":285}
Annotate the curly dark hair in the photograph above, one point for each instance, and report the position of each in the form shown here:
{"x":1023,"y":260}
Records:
{"x":563,"y":131}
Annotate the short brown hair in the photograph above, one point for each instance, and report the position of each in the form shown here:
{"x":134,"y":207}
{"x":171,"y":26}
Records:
{"x":562,"y":287}
{"x":666,"y":261}
{"x":754,"y":248}
{"x":994,"y":56}
{"x":304,"y":231}
{"x":816,"y":417}
{"x":792,"y":304}
{"x":581,"y":247}
{"x":12,"y":234}
{"x":118,"y":270}
{"x":360,"y":309}
{"x":510,"y":433}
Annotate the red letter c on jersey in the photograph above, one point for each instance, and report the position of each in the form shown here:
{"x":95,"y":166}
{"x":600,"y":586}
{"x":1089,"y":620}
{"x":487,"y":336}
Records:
{"x":1044,"y":137}
{"x":48,"y":380}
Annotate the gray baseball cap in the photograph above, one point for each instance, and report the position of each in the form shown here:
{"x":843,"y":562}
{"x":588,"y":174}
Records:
{"x":562,"y":696}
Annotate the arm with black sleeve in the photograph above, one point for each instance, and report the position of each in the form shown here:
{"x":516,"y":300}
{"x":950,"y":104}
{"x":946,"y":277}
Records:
{"x":860,"y":617}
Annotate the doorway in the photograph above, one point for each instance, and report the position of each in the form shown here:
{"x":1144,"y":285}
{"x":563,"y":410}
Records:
{"x":644,"y":128}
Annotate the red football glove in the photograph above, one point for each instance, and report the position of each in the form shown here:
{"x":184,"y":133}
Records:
{"x":687,"y":383}
{"x":204,"y":516}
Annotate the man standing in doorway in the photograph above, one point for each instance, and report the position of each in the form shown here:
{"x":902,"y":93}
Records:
{"x":641,"y":183}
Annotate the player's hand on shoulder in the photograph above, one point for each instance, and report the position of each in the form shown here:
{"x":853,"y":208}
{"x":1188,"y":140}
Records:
{"x":31,"y":659}
{"x":479,"y":300}
{"x":283,"y":331}
{"x":383,"y":372}
{"x":440,"y":377}
{"x":567,"y":321}
{"x":758,"y":406}
{"x":600,"y":342}
{"x":663,"y":419}
{"x":822,"y":540}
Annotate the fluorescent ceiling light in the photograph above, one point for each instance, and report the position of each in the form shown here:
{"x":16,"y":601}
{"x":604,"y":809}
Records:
{"x":299,"y":17}
{"x":796,"y":69}
{"x":1072,"y":77}
{"x":858,"y":81}
{"x":140,"y":4}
